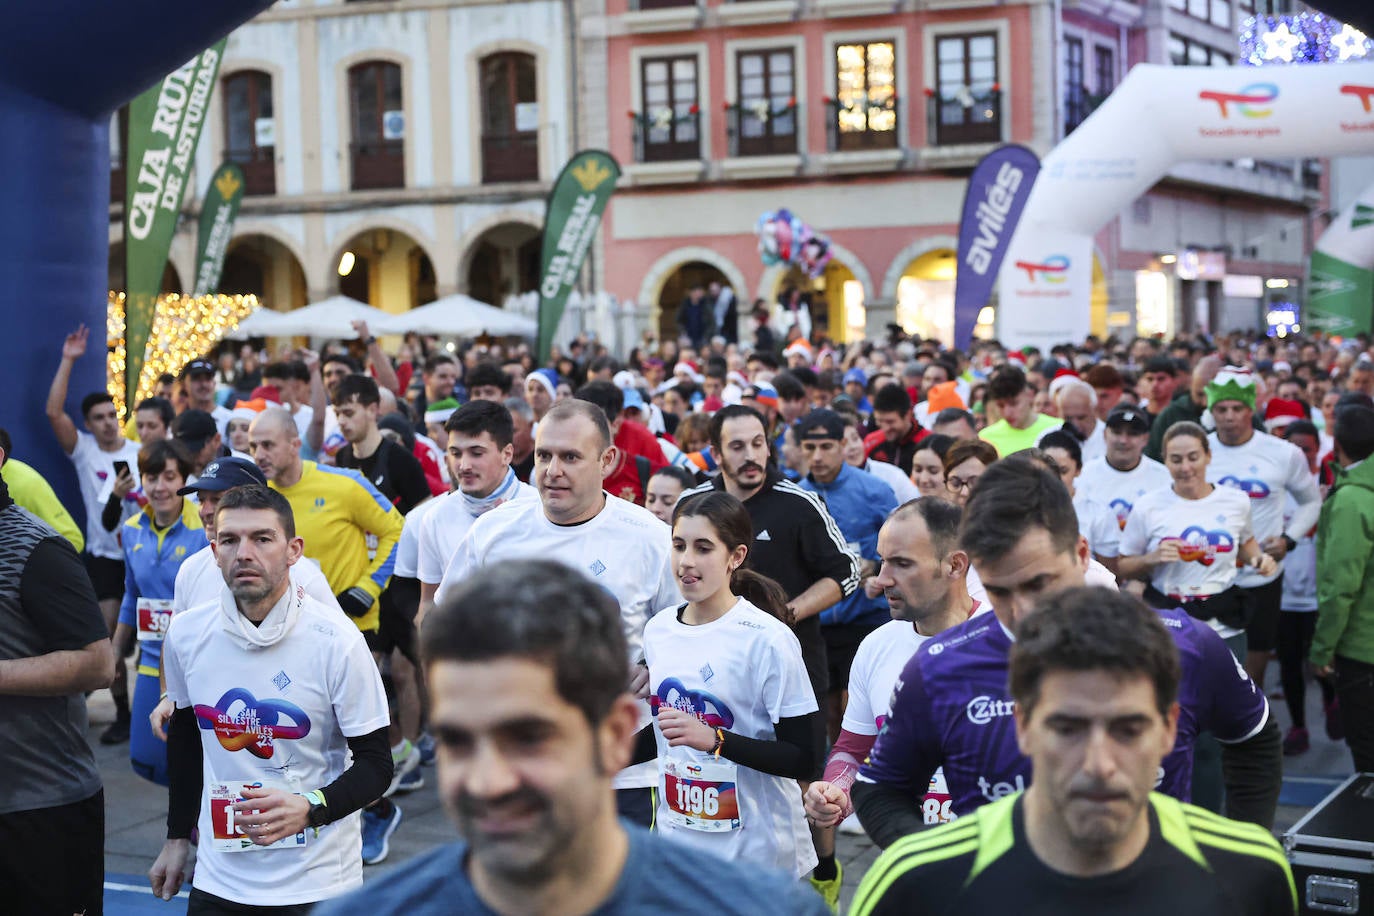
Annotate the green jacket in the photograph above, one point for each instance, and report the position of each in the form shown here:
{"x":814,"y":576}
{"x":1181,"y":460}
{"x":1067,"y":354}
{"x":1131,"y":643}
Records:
{"x":1182,"y":407}
{"x":1345,"y":573}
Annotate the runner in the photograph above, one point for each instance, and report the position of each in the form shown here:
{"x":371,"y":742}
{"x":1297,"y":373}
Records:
{"x":924,"y":578}
{"x":1095,"y":678}
{"x":1095,"y":519}
{"x":1021,"y":533}
{"x":279,"y":735}
{"x":666,"y":487}
{"x":1125,"y":474}
{"x":98,"y":455}
{"x":533,"y":719}
{"x":733,"y":709}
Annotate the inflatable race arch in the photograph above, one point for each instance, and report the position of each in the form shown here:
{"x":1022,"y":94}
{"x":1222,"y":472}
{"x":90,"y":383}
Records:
{"x":1159,"y":116}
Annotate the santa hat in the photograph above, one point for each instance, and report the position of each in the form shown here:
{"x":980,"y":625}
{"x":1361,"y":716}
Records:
{"x":1281,"y":412}
{"x":245,"y":410}
{"x":1232,"y":384}
{"x":266,"y":393}
{"x":546,"y":377}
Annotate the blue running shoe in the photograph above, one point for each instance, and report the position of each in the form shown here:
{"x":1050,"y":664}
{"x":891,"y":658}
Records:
{"x":427,"y":746}
{"x":377,"y":831}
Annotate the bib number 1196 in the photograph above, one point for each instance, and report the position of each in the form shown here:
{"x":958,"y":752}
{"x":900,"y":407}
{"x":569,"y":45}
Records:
{"x":701,"y":796}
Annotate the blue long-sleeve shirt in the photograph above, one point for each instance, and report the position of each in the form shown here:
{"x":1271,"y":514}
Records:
{"x":859,"y":503}
{"x":151,"y":561}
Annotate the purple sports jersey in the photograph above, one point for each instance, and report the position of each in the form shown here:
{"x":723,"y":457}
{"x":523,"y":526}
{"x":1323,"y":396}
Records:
{"x":951,"y":708}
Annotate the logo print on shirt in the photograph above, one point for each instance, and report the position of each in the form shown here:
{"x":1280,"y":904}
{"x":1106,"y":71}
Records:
{"x":675,"y":695}
{"x":762,"y":536}
{"x":597,"y":567}
{"x":281,"y":680}
{"x":1255,"y":489}
{"x":1197,"y":545}
{"x":982,"y":710}
{"x":706,"y":672}
{"x":1122,"y":510}
{"x":243,"y":722}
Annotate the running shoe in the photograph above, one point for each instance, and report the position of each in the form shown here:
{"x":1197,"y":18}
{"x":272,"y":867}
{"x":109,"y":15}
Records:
{"x":411,"y":780}
{"x":1296,"y":742}
{"x":403,"y":762}
{"x":830,"y":890}
{"x":427,"y":747}
{"x":377,"y":831}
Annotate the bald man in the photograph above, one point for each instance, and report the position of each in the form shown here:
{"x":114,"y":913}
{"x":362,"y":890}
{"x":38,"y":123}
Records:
{"x":1077,"y":403}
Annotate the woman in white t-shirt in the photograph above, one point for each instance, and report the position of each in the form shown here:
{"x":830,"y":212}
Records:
{"x":1189,"y":541}
{"x":733,"y":708}
{"x":1096,"y":521}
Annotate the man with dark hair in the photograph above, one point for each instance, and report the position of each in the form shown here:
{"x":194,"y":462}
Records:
{"x":956,"y":423}
{"x":279,"y":734}
{"x":198,"y":380}
{"x":620,"y":546}
{"x":924,"y":577}
{"x":1021,"y":425}
{"x":486,"y":381}
{"x":1119,"y":478}
{"x":197,"y":431}
{"x":98,"y":456}
{"x":54,"y":648}
{"x":897,"y":434}
{"x":1021,"y":532}
{"x":638,"y":454}
{"x":1107,"y":382}
{"x":439,"y":377}
{"x":388,"y":465}
{"x":1160,"y":378}
{"x":798,"y":545}
{"x":538,"y":817}
{"x":1094,"y":680}
{"x":1343,"y":642}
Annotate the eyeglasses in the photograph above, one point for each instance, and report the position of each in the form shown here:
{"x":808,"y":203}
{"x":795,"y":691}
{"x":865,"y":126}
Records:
{"x":956,"y":484}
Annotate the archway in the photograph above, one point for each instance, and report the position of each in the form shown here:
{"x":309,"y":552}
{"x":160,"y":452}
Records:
{"x":1159,"y":116}
{"x":676,"y":288}
{"x":171,"y":280}
{"x":502,"y":261}
{"x":387,"y":269}
{"x":925,"y":296}
{"x":262,"y":266}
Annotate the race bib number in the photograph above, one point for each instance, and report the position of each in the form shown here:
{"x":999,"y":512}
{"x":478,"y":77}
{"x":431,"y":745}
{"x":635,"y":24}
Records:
{"x":228,"y":823}
{"x":701,"y":796}
{"x":935,"y":806}
{"x":154,"y":614}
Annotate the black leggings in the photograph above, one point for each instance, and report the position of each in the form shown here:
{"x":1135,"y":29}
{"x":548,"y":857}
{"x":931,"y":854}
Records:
{"x":1295,"y":641}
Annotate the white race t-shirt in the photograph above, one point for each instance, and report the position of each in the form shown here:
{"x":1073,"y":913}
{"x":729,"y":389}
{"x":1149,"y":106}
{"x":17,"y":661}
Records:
{"x":408,"y":547}
{"x":200,"y":581}
{"x":742,"y":672}
{"x":442,"y":530}
{"x":1098,"y":524}
{"x":303,"y":415}
{"x":1265,"y":469}
{"x":95,"y":474}
{"x":624,"y":548}
{"x":1119,"y":490}
{"x":1300,"y":568}
{"x":1211,"y":531}
{"x":281,"y":715}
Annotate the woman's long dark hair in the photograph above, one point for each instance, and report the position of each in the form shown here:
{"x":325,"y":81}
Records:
{"x":732,"y":525}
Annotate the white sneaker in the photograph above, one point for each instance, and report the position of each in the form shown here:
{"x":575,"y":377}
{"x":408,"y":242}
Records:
{"x":410,"y":761}
{"x":851,"y":826}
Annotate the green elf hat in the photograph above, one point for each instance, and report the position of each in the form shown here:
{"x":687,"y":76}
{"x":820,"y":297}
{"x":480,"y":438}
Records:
{"x":1232,"y":384}
{"x":440,"y":411}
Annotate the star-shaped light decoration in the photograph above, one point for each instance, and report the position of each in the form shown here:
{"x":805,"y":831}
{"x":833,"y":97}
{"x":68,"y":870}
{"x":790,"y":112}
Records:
{"x":1280,"y":43}
{"x":1350,"y":43}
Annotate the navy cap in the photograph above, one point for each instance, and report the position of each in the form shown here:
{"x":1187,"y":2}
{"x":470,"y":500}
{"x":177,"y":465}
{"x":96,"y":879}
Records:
{"x":820,"y":424}
{"x":1126,"y":415}
{"x":193,"y":428}
{"x":198,"y":365}
{"x":224,"y":473}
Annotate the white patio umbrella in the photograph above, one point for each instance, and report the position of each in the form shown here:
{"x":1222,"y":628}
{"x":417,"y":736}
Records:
{"x":262,"y":323}
{"x":331,"y":318}
{"x":463,"y":316}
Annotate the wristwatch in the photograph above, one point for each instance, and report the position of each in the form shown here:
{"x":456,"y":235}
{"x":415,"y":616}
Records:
{"x":318,"y":816}
{"x":1289,"y":544}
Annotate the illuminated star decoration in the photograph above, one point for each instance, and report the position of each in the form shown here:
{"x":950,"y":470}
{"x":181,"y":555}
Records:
{"x":1350,"y":43}
{"x":1280,"y":43}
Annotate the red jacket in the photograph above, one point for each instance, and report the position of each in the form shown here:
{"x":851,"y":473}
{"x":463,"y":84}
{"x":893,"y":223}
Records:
{"x":633,"y":439}
{"x":900,"y":452}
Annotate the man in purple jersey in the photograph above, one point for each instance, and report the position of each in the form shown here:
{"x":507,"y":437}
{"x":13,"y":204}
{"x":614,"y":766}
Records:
{"x":952,"y":707}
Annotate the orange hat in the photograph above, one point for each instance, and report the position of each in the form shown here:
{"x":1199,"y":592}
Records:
{"x":945,"y":394}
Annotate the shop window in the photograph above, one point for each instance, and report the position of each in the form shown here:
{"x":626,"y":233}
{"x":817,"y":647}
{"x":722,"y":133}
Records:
{"x":865,"y":103}
{"x":967,"y":95}
{"x":669,"y":127}
{"x":764,"y":117}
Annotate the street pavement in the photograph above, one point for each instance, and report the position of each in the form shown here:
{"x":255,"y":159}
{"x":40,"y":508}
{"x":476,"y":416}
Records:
{"x":135,"y":814}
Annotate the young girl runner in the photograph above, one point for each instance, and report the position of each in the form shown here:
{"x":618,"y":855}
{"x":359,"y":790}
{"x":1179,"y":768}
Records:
{"x":732,"y":703}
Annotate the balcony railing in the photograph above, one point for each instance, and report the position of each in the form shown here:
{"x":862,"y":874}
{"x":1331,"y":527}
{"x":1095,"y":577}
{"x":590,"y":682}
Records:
{"x":662,"y":136}
{"x":259,"y":170}
{"x":862,"y":125}
{"x":378,"y":164}
{"x":510,"y":157}
{"x":979,"y":116}
{"x":759,"y":129}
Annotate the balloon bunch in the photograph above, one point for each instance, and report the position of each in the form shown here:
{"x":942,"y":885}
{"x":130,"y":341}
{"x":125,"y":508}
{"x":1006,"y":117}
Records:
{"x":785,"y":239}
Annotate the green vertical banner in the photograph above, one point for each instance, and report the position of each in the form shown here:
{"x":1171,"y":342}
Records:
{"x":217,"y":216}
{"x":573,"y":215}
{"x":1340,"y":296}
{"x":164,"y":128}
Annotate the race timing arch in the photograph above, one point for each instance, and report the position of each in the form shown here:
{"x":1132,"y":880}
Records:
{"x":1157,"y":117}
{"x":65,"y":67}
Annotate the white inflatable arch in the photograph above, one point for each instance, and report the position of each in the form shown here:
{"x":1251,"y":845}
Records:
{"x":1157,"y":117}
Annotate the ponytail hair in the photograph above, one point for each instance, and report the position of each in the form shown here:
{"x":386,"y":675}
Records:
{"x":731,"y":523}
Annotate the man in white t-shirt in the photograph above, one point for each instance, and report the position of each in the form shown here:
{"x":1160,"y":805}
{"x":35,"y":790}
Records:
{"x":1077,"y":402}
{"x":480,"y":448}
{"x":1264,"y":468}
{"x":619,"y":545}
{"x":198,"y":380}
{"x":1125,"y":474}
{"x":280,"y":733}
{"x":924,"y":575}
{"x":96,"y":455}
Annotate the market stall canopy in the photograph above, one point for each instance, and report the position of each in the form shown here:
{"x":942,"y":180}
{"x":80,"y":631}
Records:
{"x":332,"y":318}
{"x":463,"y":316}
{"x":262,"y":323}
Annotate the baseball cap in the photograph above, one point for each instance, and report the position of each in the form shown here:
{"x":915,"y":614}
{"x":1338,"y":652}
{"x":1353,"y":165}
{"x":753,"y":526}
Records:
{"x":820,"y":424}
{"x":763,"y":394}
{"x":197,"y":365}
{"x":194,"y":428}
{"x":224,"y":473}
{"x":856,"y":375}
{"x":1129,"y":416}
{"x":633,"y":399}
